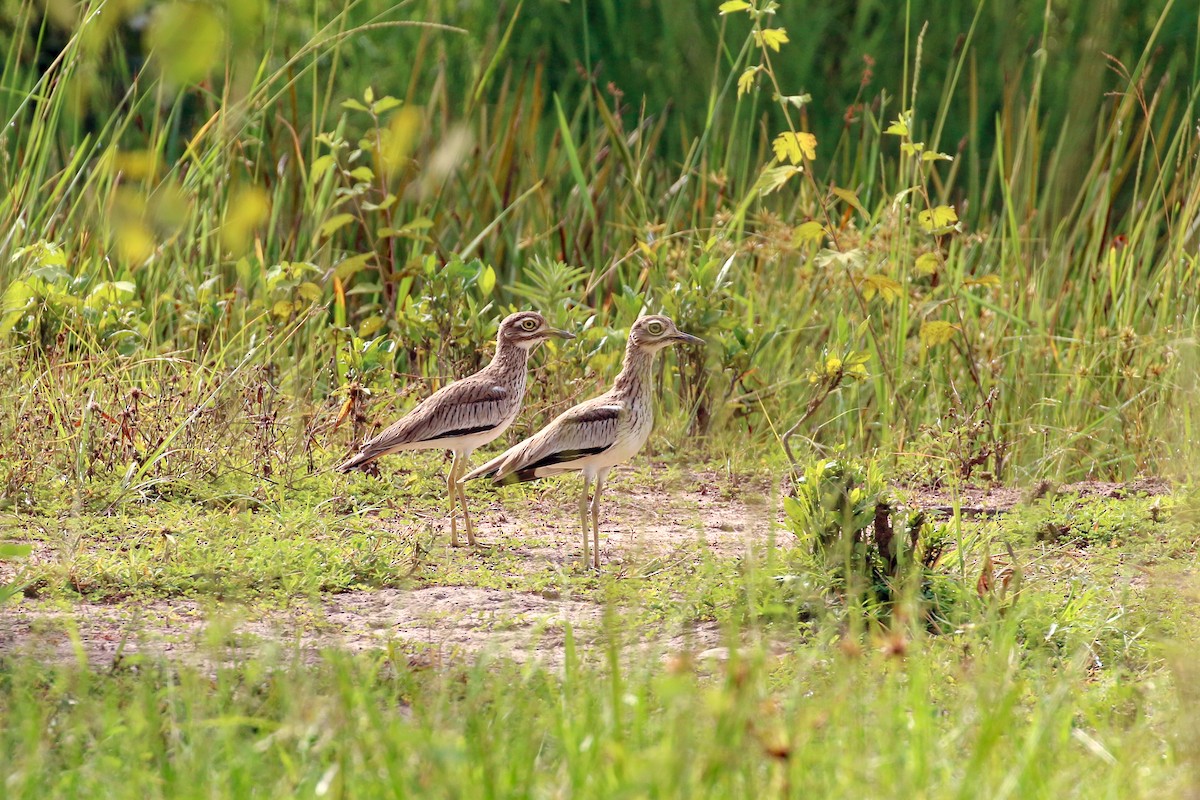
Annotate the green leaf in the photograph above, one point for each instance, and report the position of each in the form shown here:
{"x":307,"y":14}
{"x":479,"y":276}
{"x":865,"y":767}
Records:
{"x":364,"y":173}
{"x":320,"y":166}
{"x":771,"y":37}
{"x":309,"y":291}
{"x":850,"y":197}
{"x":354,"y":105}
{"x":811,"y":232}
{"x":795,"y":147}
{"x":928,"y":263}
{"x":352,"y":265}
{"x":487,"y":281}
{"x":930,"y":155}
{"x":335,"y":223}
{"x":983,"y":280}
{"x":746,"y":80}
{"x":772,"y":178}
{"x":888,"y":289}
{"x":939,"y":220}
{"x":385,"y":104}
{"x":732,"y":6}
{"x":370,"y":326}
{"x":937,"y":332}
{"x":850,"y":259}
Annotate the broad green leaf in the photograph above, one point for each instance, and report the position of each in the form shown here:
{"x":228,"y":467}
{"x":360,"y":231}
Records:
{"x":309,"y":291}
{"x":320,"y":166}
{"x":937,"y":332}
{"x":370,"y":326}
{"x":385,"y":104}
{"x":795,"y":147}
{"x":487,"y":281}
{"x":811,"y":232}
{"x":352,"y":265}
{"x":354,"y":105}
{"x":851,"y":198}
{"x":363,"y":173}
{"x":851,"y":259}
{"x":771,"y":37}
{"x":772,"y":178}
{"x":746,"y":80}
{"x":282,"y":308}
{"x":928,"y":263}
{"x":888,"y":289}
{"x":732,"y":6}
{"x":335,"y":223}
{"x":930,"y":155}
{"x":938,"y":220}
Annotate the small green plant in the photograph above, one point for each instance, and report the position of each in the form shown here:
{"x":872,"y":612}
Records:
{"x":840,"y":509}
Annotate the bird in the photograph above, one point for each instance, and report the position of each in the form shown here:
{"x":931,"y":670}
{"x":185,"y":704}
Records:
{"x":595,"y":435}
{"x":467,"y":413}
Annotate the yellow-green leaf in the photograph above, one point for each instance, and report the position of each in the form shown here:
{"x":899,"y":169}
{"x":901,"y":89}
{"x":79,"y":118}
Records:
{"x":888,"y":289}
{"x":811,"y":232}
{"x":928,"y":263}
{"x":899,"y":126}
{"x":487,"y":281}
{"x":937,"y":332}
{"x":912,"y":148}
{"x":851,"y":198}
{"x":309,"y":291}
{"x":771,"y":37}
{"x":732,"y":6}
{"x":352,"y":265}
{"x":335,"y":223}
{"x":282,"y":308}
{"x":983,"y":280}
{"x":370,"y":326}
{"x":930,"y":155}
{"x":938,"y":220}
{"x":795,"y":147}
{"x":746,"y":80}
{"x":774,"y":177}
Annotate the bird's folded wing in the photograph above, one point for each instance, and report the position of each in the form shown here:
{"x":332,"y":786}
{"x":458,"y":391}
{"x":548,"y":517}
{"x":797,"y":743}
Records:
{"x":578,"y":432}
{"x":459,"y":409}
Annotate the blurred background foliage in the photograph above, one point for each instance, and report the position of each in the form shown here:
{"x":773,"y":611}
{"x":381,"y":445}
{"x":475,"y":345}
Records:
{"x":344,"y":197}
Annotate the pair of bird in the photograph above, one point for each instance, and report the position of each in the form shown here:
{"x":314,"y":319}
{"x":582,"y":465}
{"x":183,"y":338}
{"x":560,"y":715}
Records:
{"x":590,"y":438}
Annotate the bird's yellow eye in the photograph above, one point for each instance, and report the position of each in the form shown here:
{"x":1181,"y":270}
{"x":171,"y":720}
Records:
{"x":654,"y":328}
{"x":529,"y":324}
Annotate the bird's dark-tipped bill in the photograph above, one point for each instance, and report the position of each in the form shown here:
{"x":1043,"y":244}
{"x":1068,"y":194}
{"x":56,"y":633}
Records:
{"x":560,"y":333}
{"x":687,"y":337}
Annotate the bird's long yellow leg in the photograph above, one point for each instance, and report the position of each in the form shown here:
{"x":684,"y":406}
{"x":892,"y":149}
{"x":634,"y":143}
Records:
{"x":583,"y":517}
{"x":452,"y":494}
{"x":462,"y":501}
{"x":596,"y":520}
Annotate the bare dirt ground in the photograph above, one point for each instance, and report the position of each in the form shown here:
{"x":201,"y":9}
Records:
{"x":644,"y":529}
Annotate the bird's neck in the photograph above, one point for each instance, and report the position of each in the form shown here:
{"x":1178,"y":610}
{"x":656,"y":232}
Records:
{"x":509,"y":357}
{"x":636,"y":372}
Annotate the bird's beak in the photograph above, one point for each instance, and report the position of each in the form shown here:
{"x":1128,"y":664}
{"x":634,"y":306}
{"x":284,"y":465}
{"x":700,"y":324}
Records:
{"x":680,"y":336}
{"x":560,"y":334}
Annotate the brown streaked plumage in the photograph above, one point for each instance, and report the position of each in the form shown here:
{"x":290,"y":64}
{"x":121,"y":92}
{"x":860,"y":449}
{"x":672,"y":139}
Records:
{"x":468,"y":413}
{"x":597,"y":434}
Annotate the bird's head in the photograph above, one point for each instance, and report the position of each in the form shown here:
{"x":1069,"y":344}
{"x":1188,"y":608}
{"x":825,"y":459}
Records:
{"x":655,"y":332}
{"x":528,"y":329}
